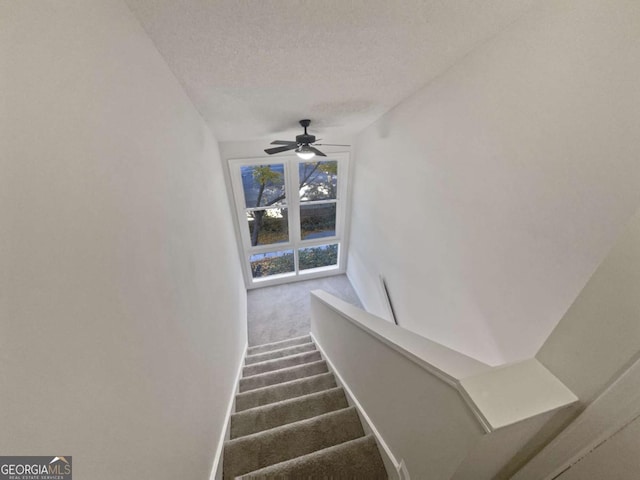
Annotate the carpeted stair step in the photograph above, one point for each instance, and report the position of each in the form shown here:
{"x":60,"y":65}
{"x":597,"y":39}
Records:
{"x":288,"y":411}
{"x":284,"y":391}
{"x":357,"y":458}
{"x":282,"y":375}
{"x":252,"y":452}
{"x":283,"y":352}
{"x":278,"y":363}
{"x":278,"y":345}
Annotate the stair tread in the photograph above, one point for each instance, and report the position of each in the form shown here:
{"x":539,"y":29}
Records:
{"x":279,"y":363}
{"x":287,"y":411}
{"x":292,"y":420}
{"x":279,"y":353}
{"x":265,"y":347}
{"x":359,"y":458}
{"x":282,"y":375}
{"x":282,"y":391}
{"x":258,"y":450}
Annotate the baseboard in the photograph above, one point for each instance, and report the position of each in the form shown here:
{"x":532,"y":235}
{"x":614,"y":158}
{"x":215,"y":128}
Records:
{"x":396,"y":470}
{"x":216,"y":469}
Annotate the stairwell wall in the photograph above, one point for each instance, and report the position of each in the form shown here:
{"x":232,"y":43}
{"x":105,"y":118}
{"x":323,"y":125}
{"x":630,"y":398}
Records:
{"x":122,"y":306}
{"x":489,"y":197}
{"x":594,"y":343}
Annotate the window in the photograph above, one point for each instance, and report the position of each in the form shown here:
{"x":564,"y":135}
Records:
{"x":291,"y":216}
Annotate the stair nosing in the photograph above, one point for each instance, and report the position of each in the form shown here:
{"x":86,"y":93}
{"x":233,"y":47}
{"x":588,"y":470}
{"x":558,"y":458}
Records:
{"x":267,"y":443}
{"x":292,"y":425}
{"x":280,"y":342}
{"x":309,"y":379}
{"x":312,"y":352}
{"x":336,"y":397}
{"x":301,"y":366}
{"x":284,"y":383}
{"x":363,"y":439}
{"x":292,"y":399}
{"x":278,"y":350}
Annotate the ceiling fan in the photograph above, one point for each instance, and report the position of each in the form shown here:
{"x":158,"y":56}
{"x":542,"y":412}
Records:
{"x":304,"y":145}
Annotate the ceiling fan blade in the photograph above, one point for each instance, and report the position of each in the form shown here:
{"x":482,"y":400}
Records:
{"x":316,"y":151}
{"x":271,"y":151}
{"x":330,"y":145}
{"x":283,"y":142}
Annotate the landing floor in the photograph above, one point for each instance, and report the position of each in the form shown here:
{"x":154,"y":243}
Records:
{"x":281,"y":312}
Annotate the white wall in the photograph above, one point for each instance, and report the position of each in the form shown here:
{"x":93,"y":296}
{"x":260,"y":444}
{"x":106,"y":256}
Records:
{"x":121,"y":300}
{"x":420,"y":395}
{"x":595,"y":342}
{"x":423,"y":420}
{"x":600,"y":334}
{"x":616,"y":458}
{"x":614,"y":411}
{"x":489,"y":197}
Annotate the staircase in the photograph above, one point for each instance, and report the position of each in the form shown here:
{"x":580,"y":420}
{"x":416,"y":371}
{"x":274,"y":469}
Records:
{"x":293,"y":421}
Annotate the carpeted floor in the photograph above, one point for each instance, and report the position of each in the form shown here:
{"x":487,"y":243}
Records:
{"x":292,"y":420}
{"x":281,"y":312}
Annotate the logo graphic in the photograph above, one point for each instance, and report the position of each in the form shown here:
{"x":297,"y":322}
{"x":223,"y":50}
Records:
{"x":36,"y":468}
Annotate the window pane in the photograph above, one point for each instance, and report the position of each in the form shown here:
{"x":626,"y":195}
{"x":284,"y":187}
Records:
{"x":272,"y":263}
{"x":263,"y":185}
{"x":320,"y":256}
{"x":318,"y":180}
{"x":317,"y":220}
{"x":268,"y":226}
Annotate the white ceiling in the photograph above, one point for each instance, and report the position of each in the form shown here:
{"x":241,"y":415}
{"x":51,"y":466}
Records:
{"x":253,"y":68}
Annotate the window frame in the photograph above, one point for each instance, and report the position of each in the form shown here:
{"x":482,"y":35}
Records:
{"x":292,"y":203}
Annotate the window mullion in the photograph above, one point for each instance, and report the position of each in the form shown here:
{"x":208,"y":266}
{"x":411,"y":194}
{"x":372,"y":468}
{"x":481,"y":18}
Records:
{"x":294,"y":202}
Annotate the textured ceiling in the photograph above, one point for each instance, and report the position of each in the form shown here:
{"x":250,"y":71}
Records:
{"x":253,"y":68}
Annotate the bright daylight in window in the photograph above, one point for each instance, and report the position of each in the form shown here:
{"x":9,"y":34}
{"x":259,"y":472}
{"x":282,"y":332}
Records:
{"x":291,"y":216}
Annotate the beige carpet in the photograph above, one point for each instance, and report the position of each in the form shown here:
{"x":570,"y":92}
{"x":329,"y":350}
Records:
{"x":292,"y":421}
{"x":281,"y":312}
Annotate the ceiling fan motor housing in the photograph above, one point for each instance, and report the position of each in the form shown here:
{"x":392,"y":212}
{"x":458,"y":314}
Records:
{"x":305,"y":139}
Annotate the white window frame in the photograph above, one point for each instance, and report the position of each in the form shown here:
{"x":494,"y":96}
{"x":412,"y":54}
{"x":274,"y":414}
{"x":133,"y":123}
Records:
{"x":292,"y":203}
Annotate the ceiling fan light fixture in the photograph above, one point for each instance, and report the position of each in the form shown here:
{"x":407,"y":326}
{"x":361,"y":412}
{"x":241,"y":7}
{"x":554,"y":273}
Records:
{"x":304,"y":152}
